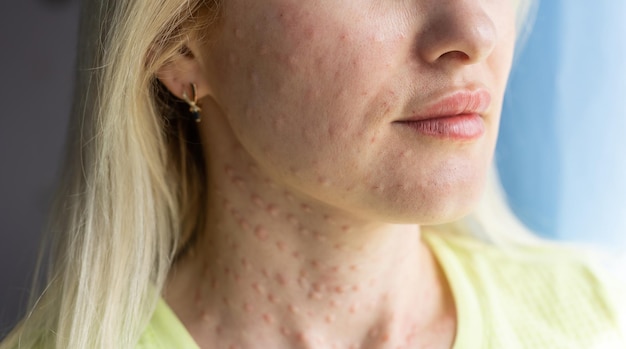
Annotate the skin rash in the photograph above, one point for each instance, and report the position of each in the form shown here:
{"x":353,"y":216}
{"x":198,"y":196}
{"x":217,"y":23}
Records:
{"x":317,"y":194}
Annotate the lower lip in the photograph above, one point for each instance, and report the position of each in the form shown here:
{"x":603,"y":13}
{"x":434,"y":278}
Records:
{"x":457,"y":127}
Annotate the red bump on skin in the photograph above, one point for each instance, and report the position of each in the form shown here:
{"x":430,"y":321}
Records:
{"x":239,"y":183}
{"x":339,"y":289}
{"x":268,"y":319}
{"x":233,"y":212}
{"x":263,"y":50}
{"x":248,"y":307}
{"x":323,"y":181}
{"x":253,"y":168}
{"x":317,"y":287}
{"x":218,"y":329}
{"x":226,"y":301}
{"x":258,"y":288}
{"x":261,"y":233}
{"x":245,"y":264}
{"x":385,"y":337}
{"x":333,"y":303}
{"x":239,"y":33}
{"x":293,"y":309}
{"x":306,"y":208}
{"x":315,"y":264}
{"x":329,"y":319}
{"x":284,"y":331}
{"x":273,"y":210}
{"x":353,"y":308}
{"x":272,"y":299}
{"x":290,"y":197}
{"x":319,"y":237}
{"x":309,"y":33}
{"x":254,"y":79}
{"x":345,"y":228}
{"x":356,"y":288}
{"x":292,"y":220}
{"x":280,"y":278}
{"x":257,"y":201}
{"x":233,"y":58}
{"x":280,"y":245}
{"x":303,"y":282}
{"x":315,"y":295}
{"x":292,"y":61}
{"x":296,"y":254}
{"x":244,"y":224}
{"x":354,"y":267}
{"x":227,"y":204}
{"x":229,"y":171}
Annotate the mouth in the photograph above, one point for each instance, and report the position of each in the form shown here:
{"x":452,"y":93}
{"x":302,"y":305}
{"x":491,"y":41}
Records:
{"x":455,"y":127}
{"x":457,"y":116}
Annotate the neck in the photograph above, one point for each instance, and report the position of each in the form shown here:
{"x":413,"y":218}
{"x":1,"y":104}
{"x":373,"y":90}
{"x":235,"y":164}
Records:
{"x":275,"y":268}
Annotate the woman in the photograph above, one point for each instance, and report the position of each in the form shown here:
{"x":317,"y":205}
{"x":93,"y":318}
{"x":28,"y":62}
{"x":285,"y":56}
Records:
{"x":293,"y":174}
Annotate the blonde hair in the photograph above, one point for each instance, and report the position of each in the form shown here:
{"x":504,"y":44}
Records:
{"x":133,"y":182}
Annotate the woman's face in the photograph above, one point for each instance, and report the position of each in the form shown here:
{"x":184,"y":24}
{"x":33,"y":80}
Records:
{"x":318,"y":92}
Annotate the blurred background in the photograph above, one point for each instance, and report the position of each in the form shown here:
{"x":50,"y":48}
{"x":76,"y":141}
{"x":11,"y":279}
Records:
{"x":561,"y":152}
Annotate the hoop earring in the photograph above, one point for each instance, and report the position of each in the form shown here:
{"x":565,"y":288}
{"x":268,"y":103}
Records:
{"x":193,"y":106}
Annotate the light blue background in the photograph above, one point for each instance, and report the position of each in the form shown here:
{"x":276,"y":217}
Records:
{"x":562,"y":147}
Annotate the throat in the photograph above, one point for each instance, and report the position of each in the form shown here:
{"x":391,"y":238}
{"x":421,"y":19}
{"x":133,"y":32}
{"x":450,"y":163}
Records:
{"x":243,"y":293}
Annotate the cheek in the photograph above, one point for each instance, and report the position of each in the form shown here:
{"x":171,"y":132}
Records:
{"x":297,"y":82}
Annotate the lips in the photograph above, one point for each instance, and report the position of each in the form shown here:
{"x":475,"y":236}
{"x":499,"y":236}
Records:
{"x":460,"y":102}
{"x":455,"y":116}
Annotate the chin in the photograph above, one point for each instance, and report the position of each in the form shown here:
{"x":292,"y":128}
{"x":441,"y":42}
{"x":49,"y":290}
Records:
{"x":437,"y":203}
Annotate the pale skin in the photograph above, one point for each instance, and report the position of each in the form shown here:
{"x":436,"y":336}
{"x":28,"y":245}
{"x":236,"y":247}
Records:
{"x":317,"y":196}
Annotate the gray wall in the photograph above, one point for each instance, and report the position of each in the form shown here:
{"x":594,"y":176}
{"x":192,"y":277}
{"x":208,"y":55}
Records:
{"x":37,"y":45}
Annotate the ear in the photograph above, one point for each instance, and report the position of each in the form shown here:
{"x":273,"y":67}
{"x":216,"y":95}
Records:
{"x":183,"y":70}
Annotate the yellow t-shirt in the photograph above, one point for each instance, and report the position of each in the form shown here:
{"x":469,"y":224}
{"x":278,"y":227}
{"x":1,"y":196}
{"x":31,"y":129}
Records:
{"x":529,"y":299}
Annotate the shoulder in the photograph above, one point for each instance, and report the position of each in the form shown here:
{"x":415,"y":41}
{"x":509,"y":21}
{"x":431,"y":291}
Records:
{"x":536,"y":296}
{"x":165,"y":331}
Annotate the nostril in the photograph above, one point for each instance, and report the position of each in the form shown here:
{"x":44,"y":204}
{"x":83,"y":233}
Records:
{"x":455,"y":55}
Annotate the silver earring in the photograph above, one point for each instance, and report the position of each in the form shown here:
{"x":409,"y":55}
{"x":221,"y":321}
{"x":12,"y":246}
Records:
{"x":193,"y":106}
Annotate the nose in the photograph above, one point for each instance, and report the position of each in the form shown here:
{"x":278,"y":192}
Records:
{"x":457,"y":31}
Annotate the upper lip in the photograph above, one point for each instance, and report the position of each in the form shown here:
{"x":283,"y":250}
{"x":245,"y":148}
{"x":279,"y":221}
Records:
{"x":457,"y":102}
